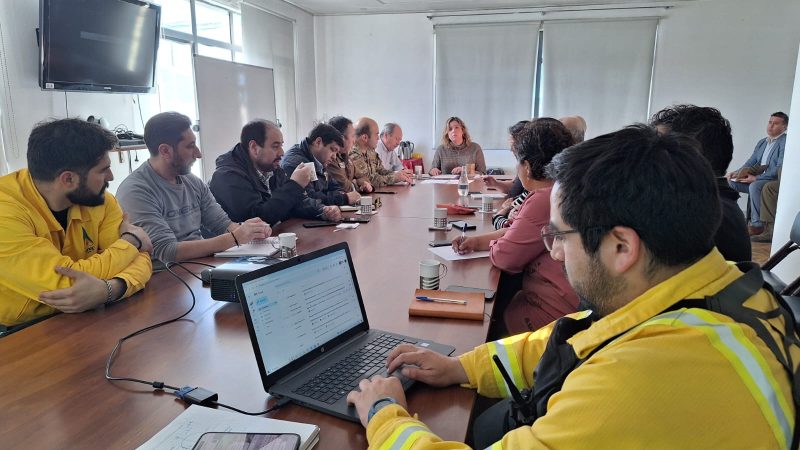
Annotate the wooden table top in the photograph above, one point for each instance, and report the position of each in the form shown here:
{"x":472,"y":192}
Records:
{"x":52,"y":390}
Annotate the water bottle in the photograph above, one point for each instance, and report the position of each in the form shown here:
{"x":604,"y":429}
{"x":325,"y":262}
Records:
{"x":463,"y":182}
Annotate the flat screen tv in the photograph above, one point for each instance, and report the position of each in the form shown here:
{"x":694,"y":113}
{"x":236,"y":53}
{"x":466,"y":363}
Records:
{"x":98,"y":45}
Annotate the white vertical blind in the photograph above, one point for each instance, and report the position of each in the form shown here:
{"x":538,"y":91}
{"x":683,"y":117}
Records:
{"x":484,"y":75}
{"x":599,"y":70}
{"x":268,"y":41}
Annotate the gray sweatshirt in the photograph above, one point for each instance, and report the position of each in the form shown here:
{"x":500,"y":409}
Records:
{"x":170,"y":213}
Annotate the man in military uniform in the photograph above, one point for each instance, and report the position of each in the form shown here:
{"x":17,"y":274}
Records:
{"x":367,"y":163}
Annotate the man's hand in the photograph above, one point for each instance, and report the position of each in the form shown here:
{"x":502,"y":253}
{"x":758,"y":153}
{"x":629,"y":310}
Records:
{"x":366,"y":187}
{"x":490,"y":181}
{"x":331,"y":214}
{"x":86,"y":292}
{"x":252,"y":229}
{"x":748,"y":179}
{"x":467,"y":245}
{"x":400,"y":176}
{"x":456,"y":170}
{"x":127,"y":227}
{"x":353,"y":197}
{"x":302,"y":175}
{"x":376,"y":388}
{"x":729,"y":175}
{"x":431,"y":368}
{"x":435,"y":171}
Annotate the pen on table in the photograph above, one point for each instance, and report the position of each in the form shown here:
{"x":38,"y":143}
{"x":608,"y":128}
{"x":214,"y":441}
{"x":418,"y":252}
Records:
{"x":463,"y":236}
{"x":440,"y":300}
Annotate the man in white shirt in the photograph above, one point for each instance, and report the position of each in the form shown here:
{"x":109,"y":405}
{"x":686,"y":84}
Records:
{"x":761,"y":168}
{"x":390,"y":138}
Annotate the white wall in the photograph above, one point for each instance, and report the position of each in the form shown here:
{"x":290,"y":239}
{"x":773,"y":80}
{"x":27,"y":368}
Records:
{"x":736,"y":55}
{"x":380,"y":66}
{"x":788,"y":200}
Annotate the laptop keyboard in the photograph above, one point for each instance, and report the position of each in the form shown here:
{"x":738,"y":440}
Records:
{"x":338,"y":380}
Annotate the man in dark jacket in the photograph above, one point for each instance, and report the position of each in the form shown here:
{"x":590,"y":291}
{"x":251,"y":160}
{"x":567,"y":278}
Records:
{"x":248,"y":181}
{"x":713,"y":132}
{"x":319,"y":148}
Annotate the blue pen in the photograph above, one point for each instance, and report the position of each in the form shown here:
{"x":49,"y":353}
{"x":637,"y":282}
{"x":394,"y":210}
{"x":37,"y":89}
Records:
{"x":440,"y":300}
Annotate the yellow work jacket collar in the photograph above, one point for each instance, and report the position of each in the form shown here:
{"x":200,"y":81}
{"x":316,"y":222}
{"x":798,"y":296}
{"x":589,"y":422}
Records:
{"x":28,"y":189}
{"x":706,"y":277}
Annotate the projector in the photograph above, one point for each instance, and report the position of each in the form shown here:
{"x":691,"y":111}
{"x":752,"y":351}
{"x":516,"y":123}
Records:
{"x":221,"y":278}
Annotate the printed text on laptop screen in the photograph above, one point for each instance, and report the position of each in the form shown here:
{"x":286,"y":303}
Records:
{"x":297,"y":309}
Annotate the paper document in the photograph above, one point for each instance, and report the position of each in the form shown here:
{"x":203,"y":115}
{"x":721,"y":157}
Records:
{"x":185,"y":430}
{"x":488,"y":195}
{"x":450,"y":255}
{"x":441,"y":181}
{"x":262,"y":247}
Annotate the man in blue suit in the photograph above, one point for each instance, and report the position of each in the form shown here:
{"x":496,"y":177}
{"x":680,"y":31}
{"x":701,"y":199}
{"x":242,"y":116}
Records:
{"x":761,"y":168}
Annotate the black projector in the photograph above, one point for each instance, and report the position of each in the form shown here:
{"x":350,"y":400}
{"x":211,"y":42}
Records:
{"x":221,"y":278}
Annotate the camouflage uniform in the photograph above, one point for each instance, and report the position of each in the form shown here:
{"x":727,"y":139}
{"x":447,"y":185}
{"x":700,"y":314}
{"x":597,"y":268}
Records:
{"x":370,"y":168}
{"x":342,"y":170}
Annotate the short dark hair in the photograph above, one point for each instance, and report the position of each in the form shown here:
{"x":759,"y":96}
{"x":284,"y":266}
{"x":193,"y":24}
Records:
{"x":782,"y":115}
{"x":705,"y":124}
{"x":256,"y":130}
{"x":66,"y":144}
{"x":327,"y":133}
{"x":657,"y":184}
{"x":365,"y":128}
{"x":165,"y":128}
{"x":340,"y":123}
{"x":540,"y":140}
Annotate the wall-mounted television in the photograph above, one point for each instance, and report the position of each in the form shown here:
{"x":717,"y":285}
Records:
{"x":98,"y":45}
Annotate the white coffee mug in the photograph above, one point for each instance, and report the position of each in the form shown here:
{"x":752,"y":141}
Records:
{"x":430,"y":272}
{"x":313,"y":168}
{"x":417,"y":171}
{"x":286,"y":245}
{"x":487,"y":204}
{"x":439,"y":217}
{"x":366,"y":205}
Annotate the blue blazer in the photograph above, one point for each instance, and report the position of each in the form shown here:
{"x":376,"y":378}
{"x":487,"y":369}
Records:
{"x":775,"y":158}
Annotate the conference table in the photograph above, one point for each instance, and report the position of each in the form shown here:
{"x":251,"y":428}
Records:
{"x":53,"y":393}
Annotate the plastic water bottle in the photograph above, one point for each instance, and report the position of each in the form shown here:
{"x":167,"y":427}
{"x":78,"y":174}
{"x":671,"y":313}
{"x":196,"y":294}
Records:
{"x":463,"y":182}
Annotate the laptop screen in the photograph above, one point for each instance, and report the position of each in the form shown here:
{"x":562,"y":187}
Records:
{"x":297,"y":309}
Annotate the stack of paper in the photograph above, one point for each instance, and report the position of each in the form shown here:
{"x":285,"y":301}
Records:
{"x":262,"y":247}
{"x":185,"y":430}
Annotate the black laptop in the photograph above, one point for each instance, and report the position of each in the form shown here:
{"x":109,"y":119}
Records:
{"x":310,"y":333}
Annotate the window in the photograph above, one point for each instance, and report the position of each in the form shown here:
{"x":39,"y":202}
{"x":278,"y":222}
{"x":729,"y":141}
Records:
{"x":218,"y":34}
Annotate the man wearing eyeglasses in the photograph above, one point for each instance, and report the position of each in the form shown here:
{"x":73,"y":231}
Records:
{"x":645,"y":366}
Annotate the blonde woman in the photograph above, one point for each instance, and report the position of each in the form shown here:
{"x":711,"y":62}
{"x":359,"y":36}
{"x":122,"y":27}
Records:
{"x":456,"y":150}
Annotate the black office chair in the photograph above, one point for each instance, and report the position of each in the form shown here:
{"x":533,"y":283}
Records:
{"x":780,"y":255}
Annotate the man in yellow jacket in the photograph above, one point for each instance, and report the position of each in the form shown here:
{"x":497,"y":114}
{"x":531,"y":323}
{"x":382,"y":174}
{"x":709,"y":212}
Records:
{"x":64,"y":244}
{"x":633,"y":216}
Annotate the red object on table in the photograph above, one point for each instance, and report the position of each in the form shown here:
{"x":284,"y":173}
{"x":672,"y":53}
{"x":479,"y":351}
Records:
{"x":410,"y":163}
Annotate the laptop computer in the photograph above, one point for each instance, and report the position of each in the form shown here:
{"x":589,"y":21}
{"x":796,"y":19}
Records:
{"x":310,"y":333}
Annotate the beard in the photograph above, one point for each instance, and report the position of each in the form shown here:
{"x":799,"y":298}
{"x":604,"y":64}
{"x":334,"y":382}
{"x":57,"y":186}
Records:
{"x":182,"y":166}
{"x":83,"y":196}
{"x":597,"y":290}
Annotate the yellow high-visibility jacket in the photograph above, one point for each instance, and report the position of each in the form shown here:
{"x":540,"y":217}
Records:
{"x":688,"y":378}
{"x":33,"y":243}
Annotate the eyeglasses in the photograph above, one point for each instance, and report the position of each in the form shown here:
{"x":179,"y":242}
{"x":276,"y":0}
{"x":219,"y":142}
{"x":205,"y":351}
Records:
{"x":550,"y":236}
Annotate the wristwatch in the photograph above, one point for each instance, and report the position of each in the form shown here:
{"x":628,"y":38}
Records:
{"x":378,"y":405}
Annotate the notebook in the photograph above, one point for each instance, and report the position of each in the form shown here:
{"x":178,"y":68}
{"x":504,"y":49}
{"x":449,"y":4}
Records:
{"x":307,"y":325}
{"x":186,"y":429}
{"x":473,"y":310}
{"x":261,"y":247}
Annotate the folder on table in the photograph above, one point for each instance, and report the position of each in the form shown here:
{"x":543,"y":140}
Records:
{"x":473,"y":310}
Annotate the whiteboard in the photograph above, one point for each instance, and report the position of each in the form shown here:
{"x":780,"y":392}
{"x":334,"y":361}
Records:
{"x":228,"y":96}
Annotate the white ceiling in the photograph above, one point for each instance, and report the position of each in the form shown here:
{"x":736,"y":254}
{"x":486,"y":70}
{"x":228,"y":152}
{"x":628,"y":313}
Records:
{"x":333,"y":7}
